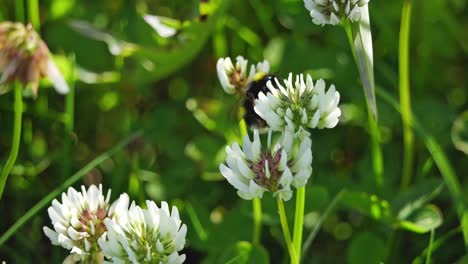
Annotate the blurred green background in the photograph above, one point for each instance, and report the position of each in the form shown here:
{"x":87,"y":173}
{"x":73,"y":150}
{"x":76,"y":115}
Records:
{"x":129,"y":79}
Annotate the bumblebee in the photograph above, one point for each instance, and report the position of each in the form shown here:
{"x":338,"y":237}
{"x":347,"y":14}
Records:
{"x":251,"y":93}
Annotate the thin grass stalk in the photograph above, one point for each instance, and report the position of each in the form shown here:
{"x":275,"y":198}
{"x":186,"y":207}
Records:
{"x":257,"y":215}
{"x":405,"y":96}
{"x":437,"y":244}
{"x":33,"y":14}
{"x":15,"y":142}
{"x":197,"y":225}
{"x":322,"y":219}
{"x":69,"y":122}
{"x":19,"y":11}
{"x":286,"y":233}
{"x":70,"y":181}
{"x":429,"y":249}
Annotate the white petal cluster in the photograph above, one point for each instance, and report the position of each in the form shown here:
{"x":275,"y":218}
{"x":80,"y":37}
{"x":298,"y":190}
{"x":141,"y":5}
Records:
{"x":254,"y":169}
{"x":332,"y":11}
{"x":235,"y":78}
{"x":299,"y":105}
{"x":78,"y":221}
{"x":152,"y":235}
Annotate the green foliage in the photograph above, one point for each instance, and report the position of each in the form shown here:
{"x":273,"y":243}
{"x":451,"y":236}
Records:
{"x":366,"y":248}
{"x":243,"y":253}
{"x":129,"y":78}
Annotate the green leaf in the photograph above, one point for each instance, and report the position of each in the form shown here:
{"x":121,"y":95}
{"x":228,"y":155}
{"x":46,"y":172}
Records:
{"x":416,"y":197}
{"x":460,"y":132}
{"x":366,"y":248}
{"x":462,"y":260}
{"x":362,"y":41}
{"x":59,"y":8}
{"x":244,"y":252}
{"x":319,"y":195}
{"x":116,"y":46}
{"x":443,"y":164}
{"x":423,"y":220}
{"x":368,"y":204}
{"x":164,"y":62}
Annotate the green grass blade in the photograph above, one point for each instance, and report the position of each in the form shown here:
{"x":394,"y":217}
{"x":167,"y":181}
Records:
{"x":19,"y":11}
{"x":33,"y":14}
{"x":69,"y":118}
{"x":405,"y":98}
{"x":442,"y":163}
{"x":323,"y":217}
{"x":436,"y":244}
{"x":74,"y":178}
{"x":429,"y":250}
{"x":197,"y":225}
{"x":362,"y":41}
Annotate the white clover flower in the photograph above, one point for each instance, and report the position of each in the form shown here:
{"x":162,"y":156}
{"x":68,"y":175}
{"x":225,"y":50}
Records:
{"x":153,"y":235}
{"x":24,"y":57}
{"x":299,"y":105}
{"x":78,"y":221}
{"x":332,"y":11}
{"x":253,"y":170}
{"x":263,"y":67}
{"x":235,"y":79}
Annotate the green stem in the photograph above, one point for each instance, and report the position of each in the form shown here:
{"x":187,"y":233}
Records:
{"x":429,"y":251}
{"x":349,"y":34}
{"x":69,"y":123}
{"x":257,"y":215}
{"x":74,"y":178}
{"x":405,"y":98}
{"x":286,"y":233}
{"x":33,"y":14}
{"x":256,"y":202}
{"x":19,"y":10}
{"x":16,"y":137}
{"x":377,"y":156}
{"x":437,"y":244}
{"x":392,"y":245}
{"x":299,"y":221}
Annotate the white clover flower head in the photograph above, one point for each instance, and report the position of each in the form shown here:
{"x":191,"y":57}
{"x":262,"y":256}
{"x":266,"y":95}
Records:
{"x":297,"y":106}
{"x":25,"y":57}
{"x":78,"y":221}
{"x":236,"y":78}
{"x":263,"y":68}
{"x":331,"y":12}
{"x":152,"y":235}
{"x":254,"y":169}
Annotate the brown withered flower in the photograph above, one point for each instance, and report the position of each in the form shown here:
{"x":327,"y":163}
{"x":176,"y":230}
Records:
{"x":24,"y":57}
